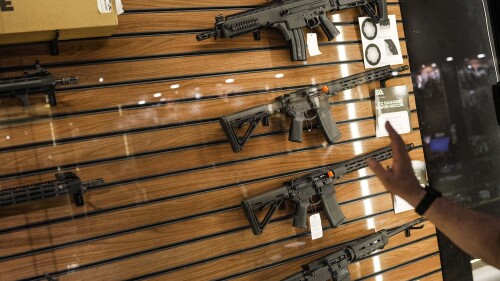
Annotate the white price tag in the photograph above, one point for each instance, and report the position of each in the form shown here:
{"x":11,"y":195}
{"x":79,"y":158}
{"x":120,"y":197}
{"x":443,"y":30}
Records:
{"x":104,"y":6}
{"x":316,"y":228}
{"x":400,"y":205}
{"x":312,"y":44}
{"x":119,"y":7}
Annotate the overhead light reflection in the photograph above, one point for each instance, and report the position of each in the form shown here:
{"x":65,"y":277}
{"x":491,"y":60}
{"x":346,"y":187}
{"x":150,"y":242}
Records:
{"x":480,"y":56}
{"x":230,"y":80}
{"x":362,"y":173}
{"x":376,"y":264}
{"x":53,"y":134}
{"x":336,"y":17}
{"x":365,"y":188}
{"x":367,"y":204}
{"x":125,"y":142}
{"x":141,"y":102}
{"x":370,"y":223}
{"x":295,"y":244}
{"x":351,"y":110}
{"x":449,"y":59}
{"x":279,"y":75}
{"x":354,"y":130}
{"x":358,"y":147}
{"x":7,"y":137}
{"x":157,"y":95}
{"x":175,"y":86}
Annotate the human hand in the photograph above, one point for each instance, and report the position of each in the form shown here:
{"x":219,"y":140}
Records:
{"x":400,"y":178}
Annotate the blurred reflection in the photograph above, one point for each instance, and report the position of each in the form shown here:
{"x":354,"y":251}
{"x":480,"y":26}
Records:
{"x":354,"y":130}
{"x":358,"y":147}
{"x":377,"y":267}
{"x":295,"y":244}
{"x":351,"y":111}
{"x":367,"y":204}
{"x":459,"y":129}
{"x":370,"y":223}
{"x":365,"y":188}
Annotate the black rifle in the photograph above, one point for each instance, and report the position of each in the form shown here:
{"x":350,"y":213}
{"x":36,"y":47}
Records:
{"x":334,"y":266}
{"x":38,"y":82}
{"x":299,"y":105}
{"x":289,"y":17}
{"x":65,"y":183}
{"x":319,"y":183}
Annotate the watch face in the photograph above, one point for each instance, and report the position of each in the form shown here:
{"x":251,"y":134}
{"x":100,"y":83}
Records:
{"x":373,"y":54}
{"x":368,"y":29}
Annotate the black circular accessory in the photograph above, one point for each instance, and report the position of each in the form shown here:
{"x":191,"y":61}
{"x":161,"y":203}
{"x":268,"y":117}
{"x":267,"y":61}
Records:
{"x":373,"y":54}
{"x":369,"y":29}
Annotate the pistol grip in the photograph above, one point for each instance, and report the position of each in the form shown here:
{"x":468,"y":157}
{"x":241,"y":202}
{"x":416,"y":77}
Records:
{"x":300,"y":217}
{"x":328,"y":28}
{"x":296,"y":127}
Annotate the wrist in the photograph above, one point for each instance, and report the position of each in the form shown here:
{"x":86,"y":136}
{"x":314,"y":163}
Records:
{"x":416,"y":196}
{"x":425,"y":203}
{"x":412,"y":195}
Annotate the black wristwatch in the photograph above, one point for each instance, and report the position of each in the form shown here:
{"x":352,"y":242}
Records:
{"x":430,"y":195}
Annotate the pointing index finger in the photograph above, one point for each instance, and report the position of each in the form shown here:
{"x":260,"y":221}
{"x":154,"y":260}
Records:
{"x":397,"y":144}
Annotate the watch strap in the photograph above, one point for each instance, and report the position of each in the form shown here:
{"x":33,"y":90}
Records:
{"x":430,"y":195}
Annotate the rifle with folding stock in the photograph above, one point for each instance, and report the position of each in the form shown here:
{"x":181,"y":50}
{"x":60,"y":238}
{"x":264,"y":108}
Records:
{"x":289,"y":17}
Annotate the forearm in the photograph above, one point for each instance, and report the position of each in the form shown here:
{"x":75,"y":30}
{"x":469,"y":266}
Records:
{"x":476,"y":233}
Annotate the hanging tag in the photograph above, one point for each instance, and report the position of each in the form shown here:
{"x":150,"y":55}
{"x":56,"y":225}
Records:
{"x":119,"y":7}
{"x":316,"y":228}
{"x":312,"y":44}
{"x":104,"y":6}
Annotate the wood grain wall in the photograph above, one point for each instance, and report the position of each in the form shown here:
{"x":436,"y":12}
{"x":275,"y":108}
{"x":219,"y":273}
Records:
{"x":170,"y":208}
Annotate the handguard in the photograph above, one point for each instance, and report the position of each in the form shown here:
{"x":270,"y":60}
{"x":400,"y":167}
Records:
{"x":65,"y":183}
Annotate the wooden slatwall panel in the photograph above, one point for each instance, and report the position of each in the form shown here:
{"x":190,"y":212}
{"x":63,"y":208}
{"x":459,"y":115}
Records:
{"x":170,"y":206}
